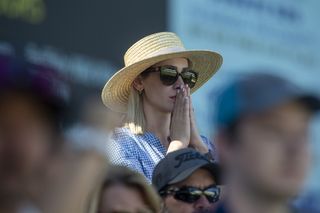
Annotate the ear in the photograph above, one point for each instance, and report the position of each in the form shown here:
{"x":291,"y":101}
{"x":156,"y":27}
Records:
{"x":137,"y":84}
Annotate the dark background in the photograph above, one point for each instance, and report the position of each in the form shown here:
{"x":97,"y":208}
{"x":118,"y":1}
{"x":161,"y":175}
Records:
{"x":100,"y":29}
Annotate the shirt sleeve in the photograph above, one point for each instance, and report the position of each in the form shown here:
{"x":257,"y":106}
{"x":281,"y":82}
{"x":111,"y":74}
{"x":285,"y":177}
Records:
{"x":121,"y":150}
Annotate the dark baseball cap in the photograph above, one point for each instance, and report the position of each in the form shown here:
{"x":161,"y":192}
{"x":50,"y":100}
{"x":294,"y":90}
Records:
{"x":258,"y":92}
{"x":179,"y":165}
{"x":43,"y":81}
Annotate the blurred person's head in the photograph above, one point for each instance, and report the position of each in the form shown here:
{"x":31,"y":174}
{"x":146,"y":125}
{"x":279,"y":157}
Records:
{"x":30,"y":122}
{"x":262,"y":134}
{"x":125,"y":190}
{"x":187,"y":182}
{"x":95,"y":114}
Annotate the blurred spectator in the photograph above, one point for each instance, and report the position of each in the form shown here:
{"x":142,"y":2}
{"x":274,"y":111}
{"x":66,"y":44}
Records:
{"x":187,"y":182}
{"x":32,"y":101}
{"x":39,"y":171}
{"x":96,"y":115}
{"x":74,"y":174}
{"x":94,"y":123}
{"x":262,"y":123}
{"x":127,"y":191}
{"x":89,"y":111}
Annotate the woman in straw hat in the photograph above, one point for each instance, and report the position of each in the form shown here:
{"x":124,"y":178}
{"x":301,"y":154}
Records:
{"x":153,"y":90}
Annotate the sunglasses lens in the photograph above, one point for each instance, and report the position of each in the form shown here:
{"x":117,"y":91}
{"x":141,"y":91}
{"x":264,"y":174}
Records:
{"x":168,"y":76}
{"x":186,"y":196}
{"x":191,"y":194}
{"x":212,"y":194}
{"x":190,"y":78}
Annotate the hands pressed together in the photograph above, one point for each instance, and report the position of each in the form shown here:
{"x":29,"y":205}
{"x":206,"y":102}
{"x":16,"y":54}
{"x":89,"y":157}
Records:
{"x":183,"y":130}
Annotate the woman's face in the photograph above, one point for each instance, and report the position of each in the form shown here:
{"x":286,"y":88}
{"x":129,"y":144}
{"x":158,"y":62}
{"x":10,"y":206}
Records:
{"x":158,"y":95}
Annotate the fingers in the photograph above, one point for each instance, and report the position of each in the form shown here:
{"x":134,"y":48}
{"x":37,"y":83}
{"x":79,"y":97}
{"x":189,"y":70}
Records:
{"x":186,"y":108}
{"x":188,"y":90}
{"x":185,"y":102}
{"x":190,"y":101}
{"x":180,"y":121}
{"x":178,"y":102}
{"x":182,"y":95}
{"x":185,"y":91}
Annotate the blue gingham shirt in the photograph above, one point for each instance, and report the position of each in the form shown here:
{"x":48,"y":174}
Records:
{"x":140,"y":152}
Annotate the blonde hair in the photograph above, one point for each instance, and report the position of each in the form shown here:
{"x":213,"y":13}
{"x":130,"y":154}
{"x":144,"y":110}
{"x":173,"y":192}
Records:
{"x":132,"y":179}
{"x":125,"y":176}
{"x":135,"y":119}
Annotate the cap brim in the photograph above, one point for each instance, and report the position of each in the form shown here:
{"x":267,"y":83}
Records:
{"x":116,"y":91}
{"x":310,"y":101}
{"x":213,"y":168}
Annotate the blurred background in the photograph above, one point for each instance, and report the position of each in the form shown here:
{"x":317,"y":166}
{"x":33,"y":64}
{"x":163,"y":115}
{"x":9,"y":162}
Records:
{"x":86,"y":41}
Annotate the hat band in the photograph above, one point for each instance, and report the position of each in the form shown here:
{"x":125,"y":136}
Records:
{"x":167,"y":51}
{"x":162,"y":51}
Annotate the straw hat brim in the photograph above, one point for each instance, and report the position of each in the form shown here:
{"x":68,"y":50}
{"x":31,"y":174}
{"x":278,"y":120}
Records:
{"x":116,"y":91}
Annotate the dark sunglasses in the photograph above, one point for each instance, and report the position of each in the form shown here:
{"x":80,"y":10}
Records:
{"x":191,"y":194}
{"x":169,"y":75}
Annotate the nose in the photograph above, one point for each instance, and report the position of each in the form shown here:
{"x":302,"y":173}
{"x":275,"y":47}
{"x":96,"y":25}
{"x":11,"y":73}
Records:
{"x":202,"y":203}
{"x":179,"y":83}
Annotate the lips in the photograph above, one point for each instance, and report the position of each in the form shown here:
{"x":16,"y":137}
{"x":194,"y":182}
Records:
{"x":173,"y":97}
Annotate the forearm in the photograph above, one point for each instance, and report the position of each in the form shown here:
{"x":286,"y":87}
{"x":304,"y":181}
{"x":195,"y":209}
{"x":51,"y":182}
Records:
{"x":176,"y":145}
{"x":198,"y":145}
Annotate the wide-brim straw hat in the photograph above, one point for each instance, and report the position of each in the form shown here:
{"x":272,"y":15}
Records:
{"x":148,"y":51}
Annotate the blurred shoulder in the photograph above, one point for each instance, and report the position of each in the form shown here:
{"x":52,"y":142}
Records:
{"x":123,"y":137}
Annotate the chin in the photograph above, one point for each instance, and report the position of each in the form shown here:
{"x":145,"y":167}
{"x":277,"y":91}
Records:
{"x":168,"y":108}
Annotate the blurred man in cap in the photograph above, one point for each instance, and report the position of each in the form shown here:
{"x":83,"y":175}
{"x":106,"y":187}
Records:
{"x":31,"y":112}
{"x":262,"y":136}
{"x":187,"y":182}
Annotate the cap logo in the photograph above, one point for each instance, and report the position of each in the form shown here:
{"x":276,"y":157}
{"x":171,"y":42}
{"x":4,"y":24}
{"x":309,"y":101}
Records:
{"x":187,"y":156}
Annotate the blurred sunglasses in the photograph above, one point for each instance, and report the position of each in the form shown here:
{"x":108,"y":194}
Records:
{"x":169,"y":75}
{"x":189,"y":194}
